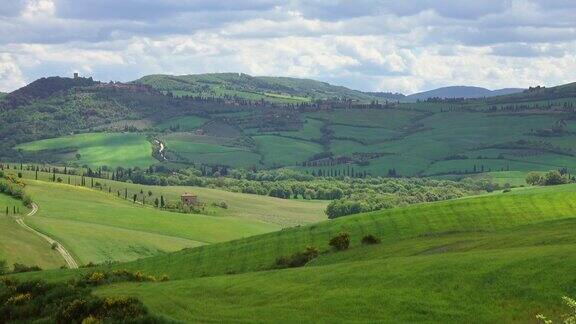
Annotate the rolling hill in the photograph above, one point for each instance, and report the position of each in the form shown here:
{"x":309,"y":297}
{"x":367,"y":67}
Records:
{"x":503,"y":257}
{"x":100,"y":225}
{"x":276,"y":89}
{"x":241,"y":121}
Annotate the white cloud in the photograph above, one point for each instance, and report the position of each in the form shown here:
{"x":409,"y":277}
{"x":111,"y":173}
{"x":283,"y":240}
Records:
{"x":10,"y":75}
{"x":366,"y":44}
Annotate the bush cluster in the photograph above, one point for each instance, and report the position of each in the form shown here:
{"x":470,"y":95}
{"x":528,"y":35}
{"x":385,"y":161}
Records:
{"x":297,"y":259}
{"x":97,"y":278}
{"x":19,"y":268}
{"x":341,"y":241}
{"x":14,"y":188}
{"x":370,"y":239}
{"x":551,"y":178}
{"x":38,"y":301}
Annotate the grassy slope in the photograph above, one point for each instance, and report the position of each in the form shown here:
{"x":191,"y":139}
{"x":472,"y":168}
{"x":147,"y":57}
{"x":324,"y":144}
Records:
{"x":97,"y":149}
{"x":208,"y":149}
{"x":278,"y":150}
{"x":276,"y":89}
{"x":98,"y":226}
{"x":20,"y":245}
{"x":494,"y":258}
{"x":280,"y":212}
{"x":182,"y":123}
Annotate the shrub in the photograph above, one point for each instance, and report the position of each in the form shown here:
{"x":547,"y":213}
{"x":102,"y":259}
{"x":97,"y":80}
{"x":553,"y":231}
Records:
{"x":298,"y":259}
{"x":534,"y":179}
{"x":120,"y":275}
{"x":554,"y":178}
{"x":221,"y":204}
{"x":54,"y":245}
{"x":341,"y":241}
{"x":370,"y":239}
{"x":19,"y":267}
{"x":95,"y":278}
{"x":19,"y":299}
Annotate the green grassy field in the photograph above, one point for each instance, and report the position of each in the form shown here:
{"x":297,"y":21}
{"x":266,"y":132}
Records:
{"x":208,"y":149}
{"x":100,"y":226}
{"x":410,"y":138}
{"x":493,"y":258}
{"x":99,"y":149}
{"x":390,"y":119}
{"x":277,"y":150}
{"x":310,"y":130}
{"x":280,"y":212}
{"x":18,"y":245}
{"x":182,"y":123}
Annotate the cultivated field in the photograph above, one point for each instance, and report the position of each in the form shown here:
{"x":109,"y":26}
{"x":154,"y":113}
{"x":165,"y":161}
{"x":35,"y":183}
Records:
{"x":98,"y":149}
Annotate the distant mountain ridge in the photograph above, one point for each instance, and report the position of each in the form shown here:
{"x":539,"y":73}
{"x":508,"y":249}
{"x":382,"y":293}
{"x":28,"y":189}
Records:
{"x":461,"y":92}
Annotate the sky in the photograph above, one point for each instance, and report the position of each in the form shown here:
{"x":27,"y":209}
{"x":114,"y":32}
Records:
{"x":398,"y":46}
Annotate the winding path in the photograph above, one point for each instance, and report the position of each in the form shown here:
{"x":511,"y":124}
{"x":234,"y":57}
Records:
{"x":59,"y":247}
{"x":161,"y":149}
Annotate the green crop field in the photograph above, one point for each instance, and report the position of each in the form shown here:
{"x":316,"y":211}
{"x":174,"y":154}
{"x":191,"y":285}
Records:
{"x":99,"y":149}
{"x":410,"y":139}
{"x":209,"y":150}
{"x":18,"y":245}
{"x":277,"y":150}
{"x":183,"y":123}
{"x":495,"y":258}
{"x":310,"y":130}
{"x":391,"y":119}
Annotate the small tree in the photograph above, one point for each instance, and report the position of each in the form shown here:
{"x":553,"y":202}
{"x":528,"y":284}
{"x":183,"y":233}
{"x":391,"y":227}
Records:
{"x":554,"y":178}
{"x":370,"y":239}
{"x":156,"y":202}
{"x":135,"y":197}
{"x":534,"y":179}
{"x":341,"y":241}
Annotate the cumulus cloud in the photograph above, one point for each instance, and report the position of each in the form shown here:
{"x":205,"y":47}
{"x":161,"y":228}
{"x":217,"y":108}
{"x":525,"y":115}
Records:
{"x":385,"y":45}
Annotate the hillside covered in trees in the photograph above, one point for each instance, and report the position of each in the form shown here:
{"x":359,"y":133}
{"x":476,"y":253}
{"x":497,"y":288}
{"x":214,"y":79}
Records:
{"x":243,"y":122}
